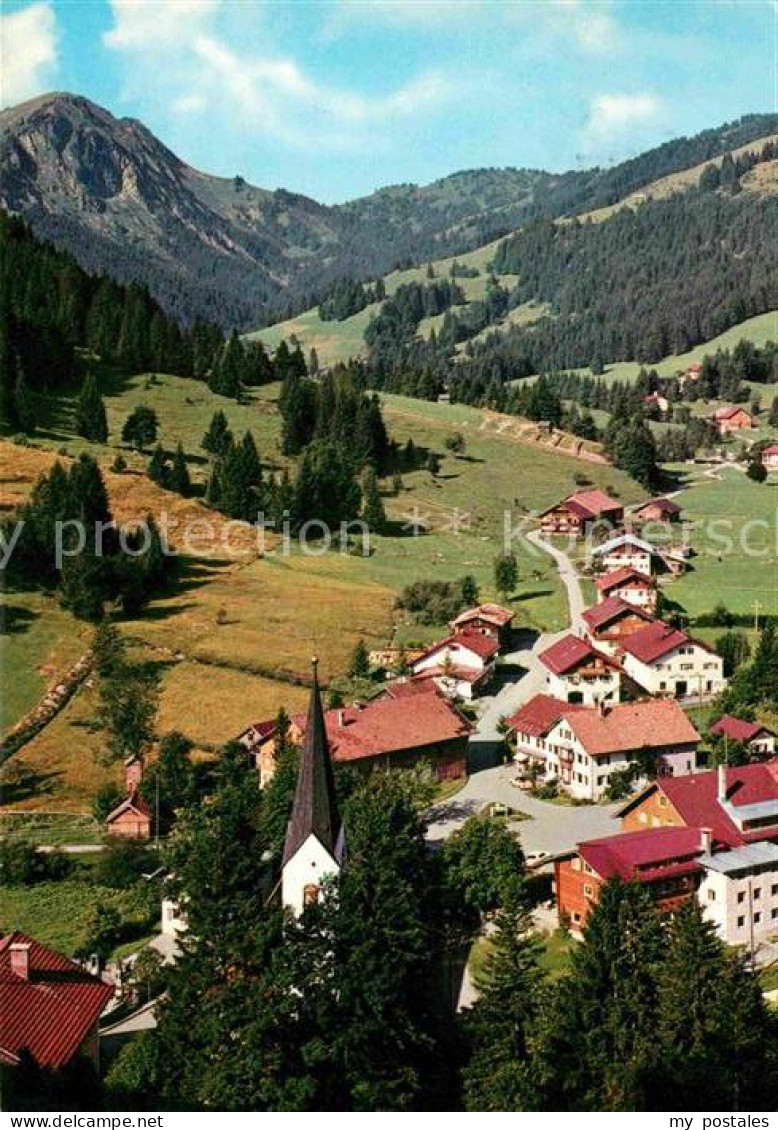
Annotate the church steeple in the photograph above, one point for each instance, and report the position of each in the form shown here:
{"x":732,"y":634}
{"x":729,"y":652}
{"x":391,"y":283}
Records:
{"x":313,"y":844}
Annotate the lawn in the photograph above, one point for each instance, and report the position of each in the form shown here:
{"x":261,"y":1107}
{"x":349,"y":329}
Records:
{"x":53,"y":830}
{"x":554,"y":957}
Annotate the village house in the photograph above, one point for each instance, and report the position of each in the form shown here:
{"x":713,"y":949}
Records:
{"x":131,"y":819}
{"x":49,"y":1005}
{"x":408,"y":723}
{"x":629,"y":585}
{"x":756,"y":737}
{"x":580,"y":747}
{"x":608,"y":623}
{"x":665,"y":860}
{"x":693,"y":372}
{"x":658,"y":510}
{"x":656,"y":400}
{"x":739,"y":893}
{"x":769,"y":457}
{"x":628,"y":552}
{"x":579,"y":512}
{"x":666,"y":661}
{"x":487,"y":619}
{"x":460,"y":666}
{"x":732,"y":419}
{"x":738,"y":803}
{"x":576,"y":672}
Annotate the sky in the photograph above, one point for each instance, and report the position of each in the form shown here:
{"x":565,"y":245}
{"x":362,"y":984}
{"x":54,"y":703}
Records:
{"x":335,"y":98}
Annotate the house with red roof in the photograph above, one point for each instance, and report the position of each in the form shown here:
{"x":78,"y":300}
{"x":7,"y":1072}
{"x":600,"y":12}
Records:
{"x":627,"y":550}
{"x":769,"y":457}
{"x":580,"y":511}
{"x":658,"y":510}
{"x":487,"y":619}
{"x":608,"y":623}
{"x":581,"y":747}
{"x":408,"y":723}
{"x":665,"y":860}
{"x":49,"y":1006}
{"x":576,"y":672}
{"x":131,"y":819}
{"x":460,"y":666}
{"x":759,"y":740}
{"x":629,"y":585}
{"x":664,"y":660}
{"x":732,"y":418}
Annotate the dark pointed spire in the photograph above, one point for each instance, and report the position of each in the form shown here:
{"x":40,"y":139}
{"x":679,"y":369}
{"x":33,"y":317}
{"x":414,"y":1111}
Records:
{"x":315,"y":809}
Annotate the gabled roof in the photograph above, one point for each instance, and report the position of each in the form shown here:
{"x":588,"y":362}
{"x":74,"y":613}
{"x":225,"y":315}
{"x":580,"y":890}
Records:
{"x":483,"y":646}
{"x":612,"y":609}
{"x":738,"y":729}
{"x":315,"y":808}
{"x":410,"y":721}
{"x":624,"y":539}
{"x":729,"y":411}
{"x":771,"y":450}
{"x":52,"y":1011}
{"x":491,"y":613}
{"x":587,"y":504}
{"x":624,"y":575}
{"x":132,"y":803}
{"x":570,"y":652}
{"x":626,"y":726}
{"x":537,"y":716}
{"x":655,"y":640}
{"x":643,"y":854}
{"x":695,"y":799}
{"x":666,"y":505}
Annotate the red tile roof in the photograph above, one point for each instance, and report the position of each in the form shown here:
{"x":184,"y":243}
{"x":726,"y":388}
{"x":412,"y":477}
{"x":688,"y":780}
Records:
{"x":622,"y":576}
{"x":738,"y":729}
{"x":567,"y":654}
{"x":537,"y":716}
{"x":647,"y":724}
{"x":655,"y":640}
{"x":491,"y":613}
{"x":643,"y":855}
{"x":695,"y":799}
{"x":728,"y":412}
{"x":134,"y":802}
{"x":601,"y":615}
{"x":483,"y":646}
{"x":665,"y":504}
{"x":771,"y":450}
{"x":588,"y":504}
{"x":52,"y":1012}
{"x":460,"y":674}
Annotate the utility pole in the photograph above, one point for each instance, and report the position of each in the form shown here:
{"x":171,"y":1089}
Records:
{"x":156,"y":808}
{"x":757,"y":610}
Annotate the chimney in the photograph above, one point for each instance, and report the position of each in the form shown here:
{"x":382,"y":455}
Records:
{"x":20,"y":959}
{"x":722,"y":784}
{"x":600,"y":707}
{"x":133,"y":772}
{"x":706,"y":840}
{"x":341,"y":718}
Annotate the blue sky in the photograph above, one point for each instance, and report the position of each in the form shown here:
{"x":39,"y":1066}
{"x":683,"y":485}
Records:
{"x":335,"y":98}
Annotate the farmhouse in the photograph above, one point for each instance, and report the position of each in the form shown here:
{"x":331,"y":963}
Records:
{"x":658,"y":510}
{"x":666,"y":860}
{"x":48,"y":1005}
{"x":738,"y":803}
{"x":656,"y":400}
{"x":582,"y":746}
{"x":770,"y":457}
{"x":579,"y":512}
{"x":759,"y":740}
{"x":666,"y":661}
{"x":487,"y":619}
{"x":610,"y":622}
{"x":576,"y":672}
{"x":461,"y":666}
{"x":131,"y":819}
{"x":732,"y":419}
{"x":406,"y":724}
{"x":628,"y":551}
{"x":628,"y":585}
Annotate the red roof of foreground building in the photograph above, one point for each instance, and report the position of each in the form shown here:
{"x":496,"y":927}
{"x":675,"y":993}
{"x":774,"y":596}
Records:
{"x":771,"y":450}
{"x":491,"y":613}
{"x":655,"y":853}
{"x":655,"y":640}
{"x":570,"y":652}
{"x":537,"y":716}
{"x":647,"y":724}
{"x":695,"y":798}
{"x":50,"y":1011}
{"x":483,"y":646}
{"x":622,"y":576}
{"x":738,"y":729}
{"x":600,"y":615}
{"x":588,"y":503}
{"x":134,"y":802}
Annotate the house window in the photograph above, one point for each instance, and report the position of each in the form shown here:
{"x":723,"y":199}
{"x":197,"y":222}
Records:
{"x":663,"y":802}
{"x":774,"y":889}
{"x":774,"y":912}
{"x":757,"y":892}
{"x":711,"y":896}
{"x":576,"y":916}
{"x":741,"y":896}
{"x":588,"y":891}
{"x":741,"y":921}
{"x":758,"y":916}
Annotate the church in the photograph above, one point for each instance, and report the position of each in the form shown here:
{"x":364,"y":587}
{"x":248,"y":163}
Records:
{"x":314,"y":844}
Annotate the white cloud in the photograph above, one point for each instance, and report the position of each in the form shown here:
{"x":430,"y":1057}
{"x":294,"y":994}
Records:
{"x":28,"y":43}
{"x":177,"y":53}
{"x":588,"y":26}
{"x":617,"y":119}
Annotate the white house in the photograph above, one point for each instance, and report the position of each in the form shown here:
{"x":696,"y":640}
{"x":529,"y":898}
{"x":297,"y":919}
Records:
{"x":739,"y":892}
{"x":754,"y":735}
{"x":666,"y":661}
{"x":582,"y":746}
{"x":314,"y":844}
{"x":576,"y":672}
{"x":628,"y":585}
{"x":461,"y":666}
{"x":627,"y":551}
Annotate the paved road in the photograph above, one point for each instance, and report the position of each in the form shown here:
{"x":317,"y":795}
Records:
{"x":568,"y":576}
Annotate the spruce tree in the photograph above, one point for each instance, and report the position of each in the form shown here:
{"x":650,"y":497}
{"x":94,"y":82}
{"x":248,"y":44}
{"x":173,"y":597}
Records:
{"x":359,"y":664}
{"x":140,"y":427}
{"x":91,"y":420}
{"x":179,"y":479}
{"x":24,"y":410}
{"x":373,"y":513}
{"x":158,"y":470}
{"x":218,"y":438}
